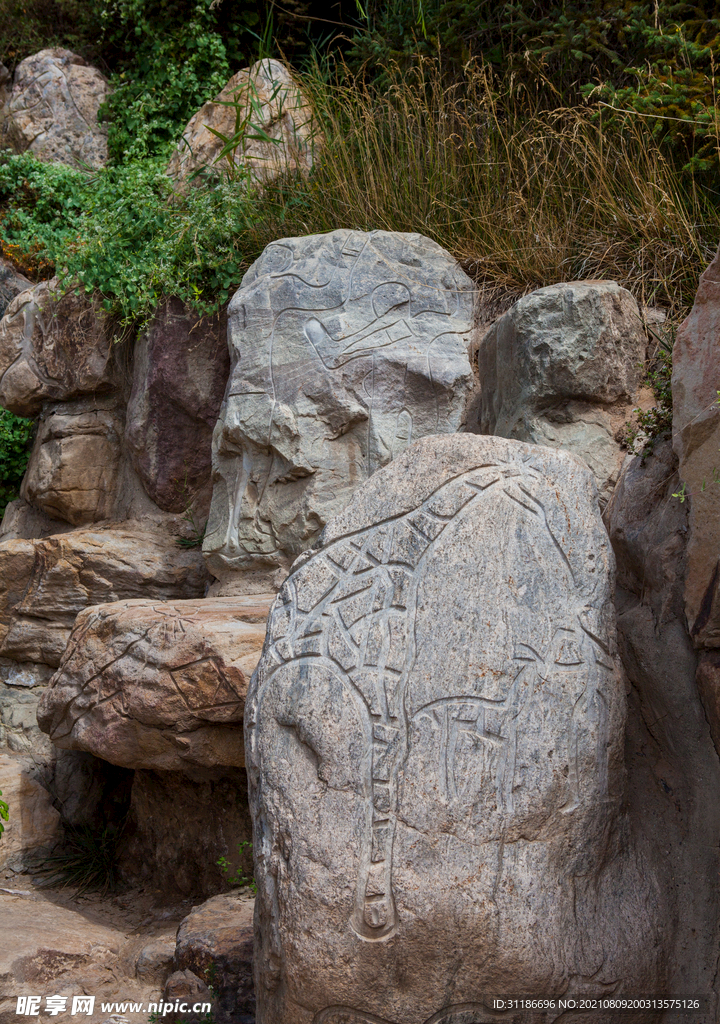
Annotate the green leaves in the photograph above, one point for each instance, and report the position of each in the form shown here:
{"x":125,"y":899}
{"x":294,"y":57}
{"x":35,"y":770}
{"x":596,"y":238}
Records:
{"x":4,"y":814}
{"x":15,"y":441}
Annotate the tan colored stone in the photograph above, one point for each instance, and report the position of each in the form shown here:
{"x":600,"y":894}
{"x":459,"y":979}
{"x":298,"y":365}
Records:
{"x":33,"y":823}
{"x":696,"y":440}
{"x":269,"y":100}
{"x":54,"y":106}
{"x":45,"y":583}
{"x":157,"y":685}
{"x":73,"y":468}
{"x":52,"y":346}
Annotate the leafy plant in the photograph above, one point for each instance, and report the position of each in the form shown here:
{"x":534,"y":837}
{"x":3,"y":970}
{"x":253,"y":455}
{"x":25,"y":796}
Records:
{"x":15,"y":441}
{"x":238,"y":877}
{"x":4,"y":814}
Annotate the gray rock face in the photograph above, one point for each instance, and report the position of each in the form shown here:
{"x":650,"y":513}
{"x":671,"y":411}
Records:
{"x":560,"y":368}
{"x":345,"y":347}
{"x":11,"y":281}
{"x":53,"y":109}
{"x":434,"y":741}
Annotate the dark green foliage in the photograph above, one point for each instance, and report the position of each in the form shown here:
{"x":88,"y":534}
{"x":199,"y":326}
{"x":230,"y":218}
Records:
{"x":27,"y":26}
{"x":4,"y":814}
{"x":15,"y":440}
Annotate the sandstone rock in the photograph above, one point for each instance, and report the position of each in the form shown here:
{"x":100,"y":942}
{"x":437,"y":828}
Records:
{"x":23,"y":522}
{"x":33,"y":823}
{"x":191,"y":991}
{"x":271,"y":104}
{"x":179,"y":827}
{"x":11,"y":281}
{"x":560,"y":369}
{"x":673,"y":769}
{"x":21,"y":686}
{"x":157,"y":685}
{"x":216,"y":941}
{"x":345,"y":347}
{"x":52,"y":346}
{"x":434,"y":740}
{"x":73,"y":469}
{"x":181,"y":367}
{"x":53,"y":109}
{"x":696,"y":439}
{"x":45,"y":583}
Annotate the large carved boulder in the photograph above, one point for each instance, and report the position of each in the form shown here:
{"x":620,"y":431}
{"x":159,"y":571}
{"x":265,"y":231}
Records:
{"x":75,"y":461}
{"x":345,"y":347}
{"x":45,"y":583}
{"x":696,"y":440}
{"x":52,"y":347}
{"x":53,"y":109}
{"x":145,"y":684}
{"x":277,"y":131}
{"x":434,"y":746}
{"x":180,"y":369}
{"x":561,"y":368}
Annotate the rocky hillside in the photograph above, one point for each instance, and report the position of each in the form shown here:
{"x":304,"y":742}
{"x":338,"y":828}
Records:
{"x":371,"y":575}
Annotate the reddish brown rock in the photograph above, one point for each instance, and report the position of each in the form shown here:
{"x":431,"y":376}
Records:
{"x":181,"y":367}
{"x":157,"y":685}
{"x":696,"y":440}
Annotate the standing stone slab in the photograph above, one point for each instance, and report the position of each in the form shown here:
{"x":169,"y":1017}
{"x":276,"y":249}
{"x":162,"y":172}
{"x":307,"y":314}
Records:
{"x":345,"y":347}
{"x":434,"y":742}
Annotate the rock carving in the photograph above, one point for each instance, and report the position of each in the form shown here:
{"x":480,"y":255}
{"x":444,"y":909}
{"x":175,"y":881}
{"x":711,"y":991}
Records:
{"x":345,"y":348}
{"x":447,"y":658}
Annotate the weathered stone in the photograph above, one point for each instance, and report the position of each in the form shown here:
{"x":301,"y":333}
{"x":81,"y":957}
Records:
{"x":345,"y":347}
{"x":21,"y":686}
{"x":560,"y":369}
{"x":434,"y":741}
{"x":45,"y":583}
{"x":673,"y":769}
{"x":216,"y":941}
{"x":11,"y":281}
{"x":188,"y":989}
{"x":271,"y":104}
{"x":696,"y":440}
{"x":179,"y":827}
{"x":52,"y":346}
{"x":181,"y":367}
{"x":23,"y":522}
{"x":73,"y":469}
{"x":157,"y":685}
{"x":33,"y":823}
{"x":53,"y":109}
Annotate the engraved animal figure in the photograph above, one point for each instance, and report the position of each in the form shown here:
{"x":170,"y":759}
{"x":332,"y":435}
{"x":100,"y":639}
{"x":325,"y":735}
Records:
{"x":346,"y":347}
{"x":347,"y":623}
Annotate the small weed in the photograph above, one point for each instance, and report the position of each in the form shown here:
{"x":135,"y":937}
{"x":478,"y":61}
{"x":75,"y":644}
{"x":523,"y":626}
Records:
{"x":4,"y":812}
{"x":239,"y":878}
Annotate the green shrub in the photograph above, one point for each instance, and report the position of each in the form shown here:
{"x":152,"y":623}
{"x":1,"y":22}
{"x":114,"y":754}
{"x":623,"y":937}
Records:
{"x":4,"y":814}
{"x":15,"y":441}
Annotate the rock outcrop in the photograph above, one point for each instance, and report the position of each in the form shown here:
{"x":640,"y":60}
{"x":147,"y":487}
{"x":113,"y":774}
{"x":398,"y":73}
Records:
{"x":53,"y":110}
{"x":53,"y":346}
{"x":434,"y":742}
{"x":561,"y":368}
{"x":11,"y":281}
{"x":45,"y":583}
{"x":157,"y":685}
{"x":33,"y":825}
{"x":277,"y":134}
{"x":75,"y":461}
{"x":180,"y":369}
{"x":345,"y":347}
{"x":696,"y":440}
{"x":673,"y":768}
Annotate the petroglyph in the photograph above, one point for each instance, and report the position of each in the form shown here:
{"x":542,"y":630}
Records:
{"x":346,"y":347}
{"x":433,"y":737}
